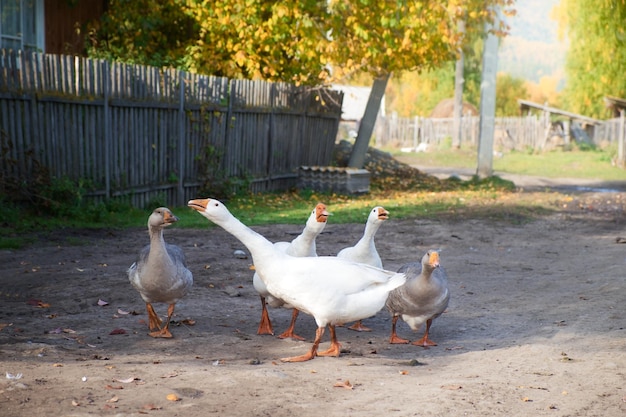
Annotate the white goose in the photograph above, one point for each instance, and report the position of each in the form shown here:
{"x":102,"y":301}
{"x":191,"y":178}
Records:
{"x":160,"y":275}
{"x":422,"y":298}
{"x":332,"y":290}
{"x":365,"y":250}
{"x":302,"y":245}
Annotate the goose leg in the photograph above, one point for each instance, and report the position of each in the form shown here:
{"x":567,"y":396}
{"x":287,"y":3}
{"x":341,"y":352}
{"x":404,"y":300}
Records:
{"x":425,"y":341}
{"x":394,"y":339}
{"x":335,"y":346}
{"x":265,"y":325}
{"x":289,"y":333}
{"x":165,"y":331}
{"x":313,"y":352}
{"x":358,"y":326}
{"x":154,"y":322}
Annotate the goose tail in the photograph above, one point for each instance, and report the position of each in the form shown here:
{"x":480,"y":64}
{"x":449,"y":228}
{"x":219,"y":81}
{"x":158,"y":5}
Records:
{"x":396,"y":281}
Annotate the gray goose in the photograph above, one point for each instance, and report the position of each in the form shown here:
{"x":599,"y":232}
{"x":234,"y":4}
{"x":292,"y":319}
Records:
{"x":365,"y":250}
{"x":160,"y":275}
{"x":422,"y":298}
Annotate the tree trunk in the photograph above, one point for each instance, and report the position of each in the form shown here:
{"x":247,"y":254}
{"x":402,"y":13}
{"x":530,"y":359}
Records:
{"x":357,"y":157}
{"x":458,"y":95}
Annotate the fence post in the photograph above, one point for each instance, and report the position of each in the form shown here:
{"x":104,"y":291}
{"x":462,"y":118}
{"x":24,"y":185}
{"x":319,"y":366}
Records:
{"x":181,"y":140}
{"x":106,"y":81}
{"x":620,"y":145}
{"x":415,"y":131}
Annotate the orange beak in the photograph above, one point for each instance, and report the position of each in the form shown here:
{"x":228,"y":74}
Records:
{"x":168,"y":217}
{"x":383,"y":214}
{"x":198,"y":204}
{"x":434,"y":259}
{"x":321,"y":215}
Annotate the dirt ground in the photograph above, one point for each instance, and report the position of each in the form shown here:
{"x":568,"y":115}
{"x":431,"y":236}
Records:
{"x":535,"y":326}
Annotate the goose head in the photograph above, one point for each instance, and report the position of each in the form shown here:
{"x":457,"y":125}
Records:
{"x":430,"y":261}
{"x":379,"y":213}
{"x":161,"y":217}
{"x":212,"y":209}
{"x":321,"y":215}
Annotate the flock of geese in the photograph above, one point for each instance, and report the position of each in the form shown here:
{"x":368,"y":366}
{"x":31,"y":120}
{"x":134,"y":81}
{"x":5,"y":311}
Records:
{"x":335,"y":290}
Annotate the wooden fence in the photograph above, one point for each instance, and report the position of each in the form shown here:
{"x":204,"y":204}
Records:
{"x":518,"y":133}
{"x":150,"y":133}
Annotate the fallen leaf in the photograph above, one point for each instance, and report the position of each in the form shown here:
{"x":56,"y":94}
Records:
{"x":343,"y":384}
{"x":172,"y":397}
{"x":404,"y":372}
{"x":188,"y":322}
{"x":102,"y":303}
{"x":74,"y":403}
{"x":57,"y":365}
{"x":41,"y":304}
{"x":108,"y":386}
{"x":118,"y":331}
{"x":3,"y":325}
{"x":55,"y":331}
{"x":68,"y":331}
{"x":122,"y":312}
{"x":127,"y":380}
{"x":113,"y":399}
{"x":170,"y":375}
{"x":451,"y":387}
{"x":527,"y":400}
{"x":151,"y":407}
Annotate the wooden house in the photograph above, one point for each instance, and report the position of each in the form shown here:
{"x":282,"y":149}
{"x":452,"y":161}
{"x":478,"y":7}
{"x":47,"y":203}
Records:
{"x":50,"y":26}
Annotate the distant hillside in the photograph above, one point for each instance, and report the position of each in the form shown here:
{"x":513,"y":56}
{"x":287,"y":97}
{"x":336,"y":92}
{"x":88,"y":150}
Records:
{"x":532,"y":50}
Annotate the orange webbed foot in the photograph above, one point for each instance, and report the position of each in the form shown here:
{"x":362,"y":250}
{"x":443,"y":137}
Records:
{"x":395,"y":340}
{"x":164,"y":333}
{"x":358,"y":327}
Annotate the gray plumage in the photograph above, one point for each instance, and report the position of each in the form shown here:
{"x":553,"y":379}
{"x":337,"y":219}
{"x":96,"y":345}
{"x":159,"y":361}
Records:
{"x":422,"y":298}
{"x":160,"y":274}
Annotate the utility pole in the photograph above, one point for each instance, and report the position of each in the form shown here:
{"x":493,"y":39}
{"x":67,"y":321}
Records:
{"x":488,"y":102}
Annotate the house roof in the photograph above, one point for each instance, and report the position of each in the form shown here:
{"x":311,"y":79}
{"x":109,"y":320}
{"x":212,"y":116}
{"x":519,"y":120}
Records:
{"x":525,"y":105}
{"x":354,"y":101}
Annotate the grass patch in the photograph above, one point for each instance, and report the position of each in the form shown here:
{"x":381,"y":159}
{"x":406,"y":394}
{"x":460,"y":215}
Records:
{"x":407,"y":193}
{"x":577,"y":163}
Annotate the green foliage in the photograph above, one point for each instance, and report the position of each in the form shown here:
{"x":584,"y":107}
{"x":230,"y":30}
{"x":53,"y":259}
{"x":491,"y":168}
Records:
{"x":34,"y":189}
{"x":216,"y":182}
{"x":143,"y":32}
{"x":596,"y":59}
{"x":508,"y":90}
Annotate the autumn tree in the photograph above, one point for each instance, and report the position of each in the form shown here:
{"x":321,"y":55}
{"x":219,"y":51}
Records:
{"x":596,"y":58}
{"x":382,"y":38}
{"x":255,"y":39}
{"x":142,"y":32}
